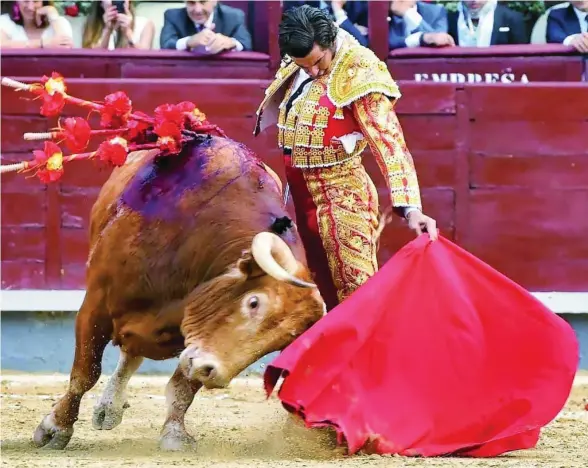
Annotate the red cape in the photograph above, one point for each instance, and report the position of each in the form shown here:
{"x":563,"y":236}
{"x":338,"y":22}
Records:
{"x":437,"y":354}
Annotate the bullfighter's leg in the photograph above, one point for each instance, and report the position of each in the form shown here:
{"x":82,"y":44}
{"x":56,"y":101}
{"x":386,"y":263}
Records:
{"x":347,"y":217}
{"x":109,"y":411}
{"x":93,"y":332}
{"x":179,"y":394}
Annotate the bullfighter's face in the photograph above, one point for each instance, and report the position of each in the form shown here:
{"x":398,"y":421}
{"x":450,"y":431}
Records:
{"x":581,"y":5}
{"x":259,"y":306}
{"x":317,"y":62}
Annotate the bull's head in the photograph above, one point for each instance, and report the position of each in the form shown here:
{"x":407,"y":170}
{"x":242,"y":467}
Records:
{"x":259,"y":306}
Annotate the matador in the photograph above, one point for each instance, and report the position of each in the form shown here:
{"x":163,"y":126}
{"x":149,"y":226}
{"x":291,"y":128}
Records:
{"x":331,"y":98}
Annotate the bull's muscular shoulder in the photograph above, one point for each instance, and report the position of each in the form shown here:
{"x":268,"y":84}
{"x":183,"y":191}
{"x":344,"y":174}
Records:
{"x":357,"y":73}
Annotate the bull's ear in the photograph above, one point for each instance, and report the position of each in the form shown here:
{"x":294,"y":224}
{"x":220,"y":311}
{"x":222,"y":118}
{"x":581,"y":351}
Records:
{"x":248,"y":266}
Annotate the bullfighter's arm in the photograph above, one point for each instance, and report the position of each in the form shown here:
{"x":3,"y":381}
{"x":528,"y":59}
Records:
{"x":380,"y":126}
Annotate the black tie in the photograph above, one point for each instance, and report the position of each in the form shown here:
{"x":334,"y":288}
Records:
{"x":296,"y":94}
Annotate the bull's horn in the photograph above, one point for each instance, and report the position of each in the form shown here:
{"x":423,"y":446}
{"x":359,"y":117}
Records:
{"x":274,"y":257}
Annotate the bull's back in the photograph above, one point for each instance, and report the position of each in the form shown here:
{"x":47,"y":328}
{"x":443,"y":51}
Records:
{"x":163,"y":223}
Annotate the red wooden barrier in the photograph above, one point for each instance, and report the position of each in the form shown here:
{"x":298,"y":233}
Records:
{"x":497,"y":64}
{"x":503,"y":169}
{"x":494,"y":64}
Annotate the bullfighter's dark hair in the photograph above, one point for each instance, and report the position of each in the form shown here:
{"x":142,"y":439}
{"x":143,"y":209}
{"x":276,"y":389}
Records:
{"x":304,"y":26}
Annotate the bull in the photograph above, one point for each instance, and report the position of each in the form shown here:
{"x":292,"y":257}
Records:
{"x":193,"y":256}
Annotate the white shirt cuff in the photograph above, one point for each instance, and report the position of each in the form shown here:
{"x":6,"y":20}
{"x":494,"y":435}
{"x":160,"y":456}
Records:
{"x":340,"y":16}
{"x":413,"y":19}
{"x":238,"y":46}
{"x":414,"y":40}
{"x":568,"y":40}
{"x":408,"y":209}
{"x":182,"y":44}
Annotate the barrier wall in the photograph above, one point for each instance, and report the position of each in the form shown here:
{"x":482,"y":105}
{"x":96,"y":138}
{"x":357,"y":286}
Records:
{"x":498,"y":64}
{"x":502,"y":168}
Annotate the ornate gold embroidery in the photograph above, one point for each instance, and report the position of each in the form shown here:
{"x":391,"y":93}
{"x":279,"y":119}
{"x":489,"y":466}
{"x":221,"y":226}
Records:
{"x":339,"y":114}
{"x":316,"y":138}
{"x":322,"y":117}
{"x":379,"y":124}
{"x":357,"y":71}
{"x":302,"y":136}
{"x":307,"y":113}
{"x":347,"y":215}
{"x":289,"y":138}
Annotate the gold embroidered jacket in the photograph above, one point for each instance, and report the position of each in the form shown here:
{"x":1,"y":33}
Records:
{"x":357,"y":95}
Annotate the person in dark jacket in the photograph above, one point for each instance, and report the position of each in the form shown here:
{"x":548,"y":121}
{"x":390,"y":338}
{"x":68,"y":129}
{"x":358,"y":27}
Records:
{"x":414,"y":24}
{"x":569,"y":26}
{"x":482,"y":23}
{"x":351,"y":16}
{"x":206,"y":26}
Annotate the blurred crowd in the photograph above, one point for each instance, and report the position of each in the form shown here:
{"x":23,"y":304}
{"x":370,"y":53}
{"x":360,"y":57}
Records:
{"x":212,"y":27}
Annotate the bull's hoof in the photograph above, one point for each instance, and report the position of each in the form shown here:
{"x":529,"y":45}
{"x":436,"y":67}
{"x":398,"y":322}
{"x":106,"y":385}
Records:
{"x":176,"y":440}
{"x":108,"y":415}
{"x":51,"y":436}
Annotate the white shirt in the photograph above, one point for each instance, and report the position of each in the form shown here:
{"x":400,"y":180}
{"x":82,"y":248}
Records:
{"x":182,"y":44}
{"x":470,"y":35}
{"x":583,"y":26}
{"x":412,"y":20}
{"x":16,"y":32}
{"x":138,"y":27}
{"x":350,"y":140}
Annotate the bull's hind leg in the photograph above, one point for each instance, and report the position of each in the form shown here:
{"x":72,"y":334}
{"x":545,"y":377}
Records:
{"x":109,"y":411}
{"x":179,"y":395}
{"x":93,"y":332}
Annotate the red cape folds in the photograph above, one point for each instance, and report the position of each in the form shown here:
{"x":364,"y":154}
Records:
{"x":437,"y":354}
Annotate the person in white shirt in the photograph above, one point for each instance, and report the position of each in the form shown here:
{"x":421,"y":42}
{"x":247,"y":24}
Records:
{"x":34,"y":25}
{"x":483,"y":23}
{"x":107,"y":27}
{"x":205,"y":26}
{"x":569,"y":26}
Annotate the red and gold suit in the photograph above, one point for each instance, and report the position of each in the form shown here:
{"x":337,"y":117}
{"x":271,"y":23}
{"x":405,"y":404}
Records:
{"x":335,"y":200}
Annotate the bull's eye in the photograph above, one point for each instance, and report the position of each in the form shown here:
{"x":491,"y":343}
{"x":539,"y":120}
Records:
{"x":253,"y":302}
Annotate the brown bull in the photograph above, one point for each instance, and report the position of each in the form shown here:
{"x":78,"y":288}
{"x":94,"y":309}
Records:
{"x":183,"y":262}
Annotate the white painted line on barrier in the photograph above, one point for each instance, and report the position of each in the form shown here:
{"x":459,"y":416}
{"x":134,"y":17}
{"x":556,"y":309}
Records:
{"x":35,"y":300}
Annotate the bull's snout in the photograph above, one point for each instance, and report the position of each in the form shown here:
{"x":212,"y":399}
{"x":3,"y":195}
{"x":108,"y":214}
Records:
{"x":202,"y":366}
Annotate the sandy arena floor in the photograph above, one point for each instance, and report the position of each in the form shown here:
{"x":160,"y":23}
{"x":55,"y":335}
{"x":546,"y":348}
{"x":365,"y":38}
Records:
{"x":235,"y":427}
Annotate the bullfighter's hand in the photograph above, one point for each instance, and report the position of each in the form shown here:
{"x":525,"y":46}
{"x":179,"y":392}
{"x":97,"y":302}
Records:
{"x":420,"y":223}
{"x":580,"y":43}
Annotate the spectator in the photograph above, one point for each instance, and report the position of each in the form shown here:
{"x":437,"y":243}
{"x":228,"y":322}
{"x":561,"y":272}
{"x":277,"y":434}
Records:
{"x":350,"y":16}
{"x":109,"y":28}
{"x":33,"y":25}
{"x":569,"y":26}
{"x":414,"y":24}
{"x":482,"y":23}
{"x":205,"y":26}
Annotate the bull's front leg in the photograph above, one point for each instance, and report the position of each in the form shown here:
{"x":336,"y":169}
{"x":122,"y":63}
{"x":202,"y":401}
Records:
{"x":93,"y":332}
{"x":108,"y":412}
{"x":179,"y":395}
